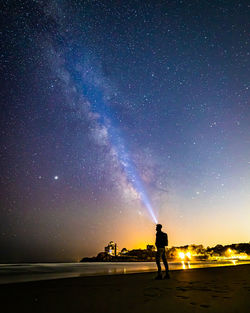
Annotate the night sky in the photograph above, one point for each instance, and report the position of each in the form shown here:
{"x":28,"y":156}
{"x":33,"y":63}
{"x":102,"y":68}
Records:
{"x":118,"y":114}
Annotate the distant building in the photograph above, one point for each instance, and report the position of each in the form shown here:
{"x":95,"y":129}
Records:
{"x":150,"y":247}
{"x":111,"y":249}
{"x":124,"y":251}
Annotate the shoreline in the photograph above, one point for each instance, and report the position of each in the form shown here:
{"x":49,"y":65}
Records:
{"x":19,"y":273}
{"x":22,"y":273}
{"x":214,"y":289}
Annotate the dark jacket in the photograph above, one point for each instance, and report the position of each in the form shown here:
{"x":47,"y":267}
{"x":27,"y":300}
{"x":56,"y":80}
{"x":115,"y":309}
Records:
{"x":161,"y":239}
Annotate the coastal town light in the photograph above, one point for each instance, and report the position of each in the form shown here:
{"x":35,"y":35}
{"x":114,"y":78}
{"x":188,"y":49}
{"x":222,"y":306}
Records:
{"x":182,"y":255}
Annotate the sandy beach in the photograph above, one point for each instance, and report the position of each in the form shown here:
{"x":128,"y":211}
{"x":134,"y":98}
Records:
{"x":221,"y":289}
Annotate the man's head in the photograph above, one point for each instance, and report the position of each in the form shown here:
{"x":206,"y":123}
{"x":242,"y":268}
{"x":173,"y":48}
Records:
{"x":158,"y":227}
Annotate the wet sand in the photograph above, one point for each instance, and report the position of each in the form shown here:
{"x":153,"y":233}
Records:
{"x":221,"y":289}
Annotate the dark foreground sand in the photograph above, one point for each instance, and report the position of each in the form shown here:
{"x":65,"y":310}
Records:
{"x":221,"y":289}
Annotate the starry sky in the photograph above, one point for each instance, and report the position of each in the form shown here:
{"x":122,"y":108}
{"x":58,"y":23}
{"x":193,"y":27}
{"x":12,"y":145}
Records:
{"x":118,"y":114}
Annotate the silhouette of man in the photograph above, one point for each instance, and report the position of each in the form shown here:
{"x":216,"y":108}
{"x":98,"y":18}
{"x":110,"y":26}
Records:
{"x":161,"y":242}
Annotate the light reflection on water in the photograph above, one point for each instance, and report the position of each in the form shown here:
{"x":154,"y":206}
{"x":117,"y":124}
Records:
{"x":185,"y":265}
{"x":30,"y":272}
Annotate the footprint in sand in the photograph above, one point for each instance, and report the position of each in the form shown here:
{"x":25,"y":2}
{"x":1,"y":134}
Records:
{"x":204,"y":289}
{"x":152,"y":292}
{"x":220,"y":291}
{"x":205,"y":306}
{"x":181,"y":288}
{"x":182,"y":297}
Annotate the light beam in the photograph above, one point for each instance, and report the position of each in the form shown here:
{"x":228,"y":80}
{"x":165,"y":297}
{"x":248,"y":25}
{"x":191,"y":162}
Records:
{"x":96,"y":99}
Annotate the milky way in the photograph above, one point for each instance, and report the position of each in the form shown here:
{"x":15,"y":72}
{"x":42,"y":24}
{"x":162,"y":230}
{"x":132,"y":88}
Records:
{"x":116,"y":115}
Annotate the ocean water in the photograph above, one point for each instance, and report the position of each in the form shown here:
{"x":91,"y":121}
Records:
{"x":11,"y":273}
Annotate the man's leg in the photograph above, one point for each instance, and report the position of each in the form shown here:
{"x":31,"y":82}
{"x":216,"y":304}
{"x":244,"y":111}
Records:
{"x":165,"y":262}
{"x":158,"y":262}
